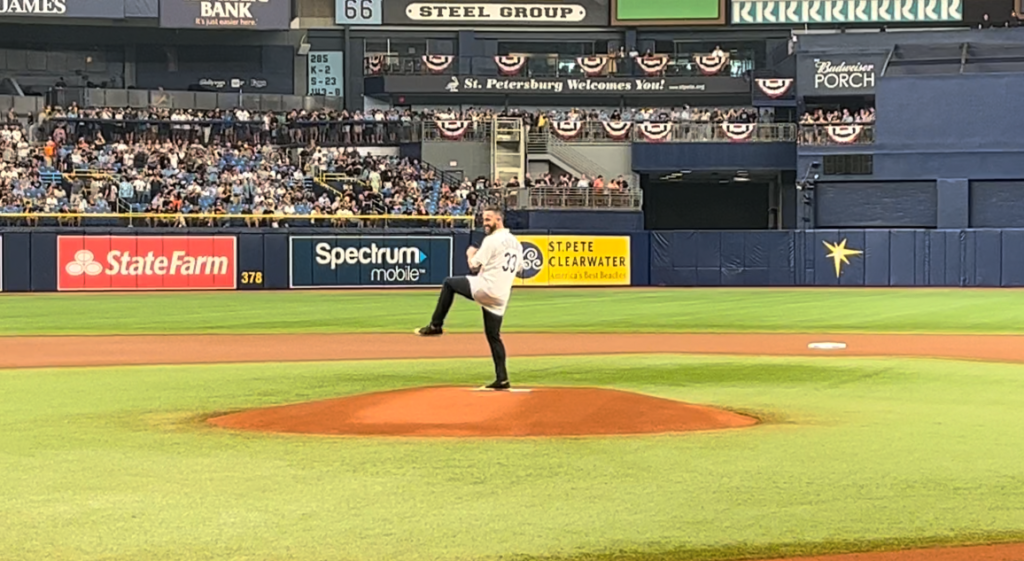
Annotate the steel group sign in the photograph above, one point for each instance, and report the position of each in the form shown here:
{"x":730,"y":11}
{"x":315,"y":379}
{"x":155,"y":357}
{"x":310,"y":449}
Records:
{"x":227,"y":14}
{"x":352,"y":261}
{"x":575,"y":261}
{"x":772,"y":12}
{"x":592,"y":13}
{"x":146,"y":262}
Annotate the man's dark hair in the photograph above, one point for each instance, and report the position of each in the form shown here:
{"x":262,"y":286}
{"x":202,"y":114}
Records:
{"x":495,"y":209}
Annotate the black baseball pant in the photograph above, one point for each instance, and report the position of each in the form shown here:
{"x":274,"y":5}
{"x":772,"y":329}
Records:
{"x":492,"y":322}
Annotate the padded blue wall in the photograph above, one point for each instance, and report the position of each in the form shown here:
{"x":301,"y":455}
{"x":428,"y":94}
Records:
{"x":800,"y":258}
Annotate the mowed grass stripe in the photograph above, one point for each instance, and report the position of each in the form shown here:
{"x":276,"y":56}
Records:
{"x":861,"y":454}
{"x":531,"y":310}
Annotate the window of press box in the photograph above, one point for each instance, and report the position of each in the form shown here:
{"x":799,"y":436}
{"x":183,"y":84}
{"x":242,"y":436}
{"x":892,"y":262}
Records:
{"x":408,"y":47}
{"x":848,"y":164}
{"x":565,"y":49}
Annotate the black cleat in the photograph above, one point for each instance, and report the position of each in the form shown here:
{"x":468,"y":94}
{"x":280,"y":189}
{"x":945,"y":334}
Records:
{"x":498,"y":386}
{"x":429,"y":331}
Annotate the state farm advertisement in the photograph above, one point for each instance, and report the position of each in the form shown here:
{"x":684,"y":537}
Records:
{"x":146,"y":263}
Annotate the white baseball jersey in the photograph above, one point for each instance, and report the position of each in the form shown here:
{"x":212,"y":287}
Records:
{"x":500,"y":258}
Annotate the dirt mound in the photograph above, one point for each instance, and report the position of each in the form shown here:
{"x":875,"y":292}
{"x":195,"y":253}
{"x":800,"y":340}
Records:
{"x":463,"y":412}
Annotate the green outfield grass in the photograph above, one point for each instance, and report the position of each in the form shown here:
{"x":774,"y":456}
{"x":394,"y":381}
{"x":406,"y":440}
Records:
{"x":595,"y":310}
{"x":111,"y":464}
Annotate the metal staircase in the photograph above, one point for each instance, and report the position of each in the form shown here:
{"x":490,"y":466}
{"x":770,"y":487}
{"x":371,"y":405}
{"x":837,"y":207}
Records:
{"x":508,"y":149}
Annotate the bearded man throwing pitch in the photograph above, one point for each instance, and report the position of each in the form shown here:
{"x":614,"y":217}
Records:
{"x":493,"y":269}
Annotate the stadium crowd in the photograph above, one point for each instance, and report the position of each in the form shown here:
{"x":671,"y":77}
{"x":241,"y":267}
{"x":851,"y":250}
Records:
{"x":102,"y":161}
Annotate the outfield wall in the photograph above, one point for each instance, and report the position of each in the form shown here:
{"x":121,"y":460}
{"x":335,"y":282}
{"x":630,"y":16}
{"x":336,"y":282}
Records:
{"x":124,"y":259}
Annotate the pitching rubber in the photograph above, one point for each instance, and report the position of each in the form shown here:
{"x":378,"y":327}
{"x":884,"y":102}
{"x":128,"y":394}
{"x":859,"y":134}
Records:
{"x":513,"y":390}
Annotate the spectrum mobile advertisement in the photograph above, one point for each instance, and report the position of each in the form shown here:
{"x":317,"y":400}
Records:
{"x":353,"y":261}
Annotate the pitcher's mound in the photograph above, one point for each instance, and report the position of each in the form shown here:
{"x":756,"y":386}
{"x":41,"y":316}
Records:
{"x":463,"y":412}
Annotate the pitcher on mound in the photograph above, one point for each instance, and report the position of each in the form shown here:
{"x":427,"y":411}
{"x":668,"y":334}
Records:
{"x":493,"y":269}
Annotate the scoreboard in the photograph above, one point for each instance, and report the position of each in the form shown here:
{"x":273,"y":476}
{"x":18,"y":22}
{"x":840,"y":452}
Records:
{"x":668,"y":12}
{"x":326,"y":73}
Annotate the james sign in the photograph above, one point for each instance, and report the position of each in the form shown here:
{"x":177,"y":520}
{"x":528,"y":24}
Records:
{"x":106,"y":9}
{"x":229,"y":14}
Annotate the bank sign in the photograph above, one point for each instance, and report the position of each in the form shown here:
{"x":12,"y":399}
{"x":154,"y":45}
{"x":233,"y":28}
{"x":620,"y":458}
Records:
{"x":104,"y":9}
{"x":562,"y":13}
{"x":226,"y":14}
{"x":832,"y":76}
{"x":771,"y":12}
{"x":355,"y":261}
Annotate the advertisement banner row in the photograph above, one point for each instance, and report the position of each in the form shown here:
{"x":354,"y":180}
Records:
{"x":127,"y":263}
{"x":176,"y":14}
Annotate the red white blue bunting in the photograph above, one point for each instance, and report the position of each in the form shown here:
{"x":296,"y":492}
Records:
{"x":567,"y":130}
{"x":452,"y":129}
{"x":711,"y":64}
{"x":774,"y":87}
{"x":592,"y":65}
{"x":652,"y":65}
{"x":374,"y":64}
{"x":617,"y":130}
{"x":655,"y":132}
{"x":510,"y":65}
{"x":844,"y":134}
{"x":437,"y":64}
{"x":739,"y":132}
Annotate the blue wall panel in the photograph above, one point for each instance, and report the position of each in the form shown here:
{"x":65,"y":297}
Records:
{"x":250,"y":260}
{"x":876,"y":257}
{"x":935,"y":240}
{"x":275,"y":261}
{"x":733,"y":271}
{"x":970,"y":258}
{"x":955,"y":258}
{"x":902,"y":256}
{"x":640,"y":258}
{"x":1012,"y":258}
{"x":44,"y":261}
{"x":781,"y":259}
{"x":17,"y":262}
{"x":989,"y":252}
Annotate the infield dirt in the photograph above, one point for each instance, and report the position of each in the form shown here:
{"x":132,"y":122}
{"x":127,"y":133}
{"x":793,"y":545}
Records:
{"x":35,"y":352}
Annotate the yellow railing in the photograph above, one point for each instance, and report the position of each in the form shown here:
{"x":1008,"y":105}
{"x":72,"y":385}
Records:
{"x":251,"y":219}
{"x":87,"y":174}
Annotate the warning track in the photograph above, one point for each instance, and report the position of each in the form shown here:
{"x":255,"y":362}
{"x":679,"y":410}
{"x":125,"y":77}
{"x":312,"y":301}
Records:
{"x":35,"y":352}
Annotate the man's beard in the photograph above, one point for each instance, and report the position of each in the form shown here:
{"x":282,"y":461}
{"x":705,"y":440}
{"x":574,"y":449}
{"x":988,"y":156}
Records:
{"x":488,"y":229}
